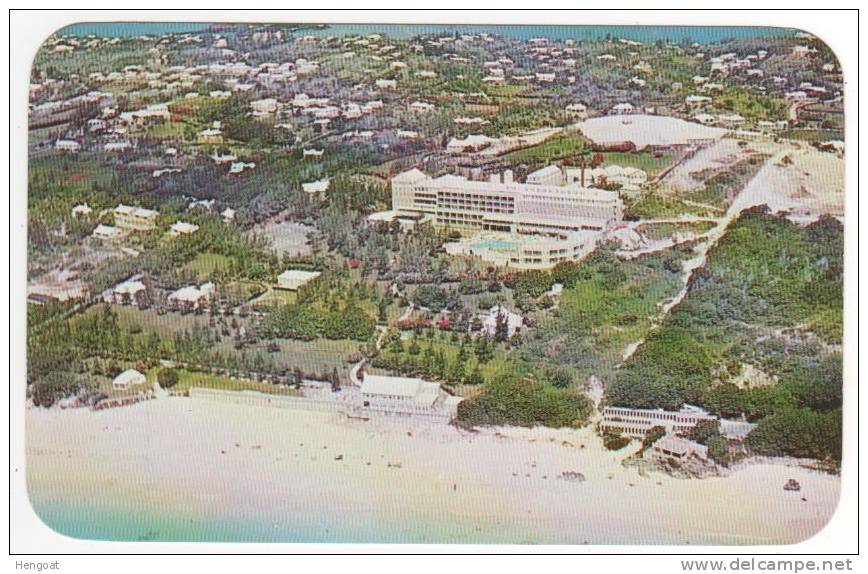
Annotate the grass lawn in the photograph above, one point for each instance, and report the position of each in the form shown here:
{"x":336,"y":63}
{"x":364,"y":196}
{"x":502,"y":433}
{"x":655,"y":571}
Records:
{"x":502,"y":356}
{"x":318,"y":356}
{"x":168,"y":130}
{"x":150,"y":322}
{"x":554,"y":148}
{"x":190,"y":379}
{"x":651,"y":205}
{"x":205,"y":264}
{"x":275,"y":297}
{"x":658,"y":231}
{"x":644,"y":161}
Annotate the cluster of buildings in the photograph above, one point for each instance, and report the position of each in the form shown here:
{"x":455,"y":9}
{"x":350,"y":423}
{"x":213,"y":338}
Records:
{"x":503,"y":204}
{"x":636,"y":423}
{"x":537,"y":223}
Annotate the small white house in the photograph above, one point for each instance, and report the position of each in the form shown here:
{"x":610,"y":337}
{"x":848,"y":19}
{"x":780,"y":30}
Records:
{"x":489,"y":319}
{"x":127,"y":379}
{"x":318,"y":187}
{"x":182,"y":228}
{"x":240,"y":167}
{"x":81,"y":210}
{"x":107,"y":232}
{"x":67,"y":145}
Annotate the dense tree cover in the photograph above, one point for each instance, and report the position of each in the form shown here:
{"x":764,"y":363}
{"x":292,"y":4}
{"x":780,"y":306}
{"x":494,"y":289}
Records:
{"x":770,"y":295}
{"x":708,"y":433}
{"x":167,"y":377}
{"x":436,"y":298}
{"x":49,"y":387}
{"x":66,"y":345}
{"x":799,"y":432}
{"x":606,"y":304}
{"x":163,"y":260}
{"x":513,"y":399}
{"x":330,"y":306}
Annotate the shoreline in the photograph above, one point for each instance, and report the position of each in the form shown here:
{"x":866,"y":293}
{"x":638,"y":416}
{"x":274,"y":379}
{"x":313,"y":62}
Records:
{"x":176,"y":469}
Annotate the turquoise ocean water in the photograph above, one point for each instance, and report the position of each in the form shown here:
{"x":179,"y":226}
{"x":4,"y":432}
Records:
{"x":701,"y":34}
{"x":112,"y":520}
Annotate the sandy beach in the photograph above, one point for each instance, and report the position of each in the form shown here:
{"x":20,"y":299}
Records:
{"x":185,"y":469}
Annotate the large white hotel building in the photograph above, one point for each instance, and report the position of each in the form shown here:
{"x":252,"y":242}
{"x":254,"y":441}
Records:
{"x":545,"y":204}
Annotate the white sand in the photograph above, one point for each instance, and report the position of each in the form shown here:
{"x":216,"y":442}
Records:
{"x":451,"y":486}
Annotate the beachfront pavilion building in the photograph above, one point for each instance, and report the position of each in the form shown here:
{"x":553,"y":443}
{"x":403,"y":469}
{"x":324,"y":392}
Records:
{"x":127,"y":379}
{"x":406,"y":396}
{"x":636,"y":423}
{"x":678,"y":448}
{"x":503,"y":205}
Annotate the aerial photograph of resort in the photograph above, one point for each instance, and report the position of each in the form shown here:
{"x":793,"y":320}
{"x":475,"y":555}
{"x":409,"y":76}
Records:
{"x":434,"y":284}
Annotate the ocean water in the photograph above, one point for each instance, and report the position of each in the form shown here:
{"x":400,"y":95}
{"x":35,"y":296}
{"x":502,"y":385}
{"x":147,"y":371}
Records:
{"x":700,"y":34}
{"x":116,"y":521}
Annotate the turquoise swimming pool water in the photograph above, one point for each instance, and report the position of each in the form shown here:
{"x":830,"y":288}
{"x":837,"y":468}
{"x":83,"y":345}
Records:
{"x":496,"y":244}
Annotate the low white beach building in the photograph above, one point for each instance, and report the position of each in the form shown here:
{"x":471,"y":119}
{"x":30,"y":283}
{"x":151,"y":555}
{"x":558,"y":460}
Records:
{"x":407,"y":396}
{"x":127,"y":379}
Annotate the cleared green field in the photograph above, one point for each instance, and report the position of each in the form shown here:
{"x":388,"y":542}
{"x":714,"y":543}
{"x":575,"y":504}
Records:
{"x":168,"y":130}
{"x":205,"y":264}
{"x":554,"y":148}
{"x":275,"y":297}
{"x":190,"y":379}
{"x":644,"y":161}
{"x":318,"y":356}
{"x":150,"y":321}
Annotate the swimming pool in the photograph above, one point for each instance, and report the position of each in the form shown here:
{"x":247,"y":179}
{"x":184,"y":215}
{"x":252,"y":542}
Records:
{"x":496,"y":244}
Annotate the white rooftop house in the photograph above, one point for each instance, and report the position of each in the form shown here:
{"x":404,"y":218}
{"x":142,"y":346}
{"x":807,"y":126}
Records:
{"x":678,"y":448}
{"x":228,"y":215}
{"x":135,"y":218}
{"x":240,"y":166}
{"x":470,"y":143}
{"x":306,"y":153}
{"x":578,"y":110}
{"x":264,"y":106}
{"x":489,"y":319}
{"x":318,"y":187}
{"x":697,"y":100}
{"x":127,"y":379}
{"x":126,"y":292}
{"x":164,"y":171}
{"x":67,"y":145}
{"x":422,"y":107}
{"x":107,"y":232}
{"x":407,"y":396}
{"x":81,"y":210}
{"x":293,"y":279}
{"x":622,"y":109}
{"x":182,"y":228}
{"x":384,"y":84}
{"x":191,"y":297}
